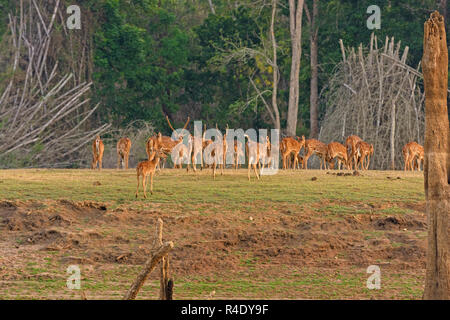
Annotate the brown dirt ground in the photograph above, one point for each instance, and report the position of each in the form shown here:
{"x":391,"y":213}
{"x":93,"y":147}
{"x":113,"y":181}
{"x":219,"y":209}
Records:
{"x":280,"y":237}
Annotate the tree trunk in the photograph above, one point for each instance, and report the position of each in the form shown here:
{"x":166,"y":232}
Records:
{"x":437,"y":157}
{"x":295,"y":19}
{"x":275,"y":67}
{"x":211,"y":5}
{"x":392,"y":137}
{"x":314,"y":97}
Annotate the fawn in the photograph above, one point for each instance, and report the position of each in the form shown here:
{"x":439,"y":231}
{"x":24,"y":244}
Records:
{"x":146,"y":168}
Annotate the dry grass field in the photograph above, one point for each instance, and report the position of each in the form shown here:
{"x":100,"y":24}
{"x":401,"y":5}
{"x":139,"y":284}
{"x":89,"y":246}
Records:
{"x":287,"y":236}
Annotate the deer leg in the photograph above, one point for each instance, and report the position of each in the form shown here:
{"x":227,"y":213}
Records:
{"x":144,"y":184}
{"x":295,"y":161}
{"x":305,"y":160}
{"x":126,"y":161}
{"x":137,"y":188}
{"x":118,"y":161}
{"x":256,"y":172}
{"x":151,"y":183}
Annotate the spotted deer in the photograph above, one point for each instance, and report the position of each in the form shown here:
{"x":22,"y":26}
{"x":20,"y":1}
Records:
{"x":97,"y":153}
{"x":256,"y":153}
{"x":147,"y":168}
{"x":291,"y":146}
{"x":123,"y":152}
{"x":313,"y":146}
{"x":165,"y":143}
{"x":411,"y":151}
{"x":350,"y":144}
{"x":337,"y":150}
{"x":364,"y":151}
{"x":420,"y":159}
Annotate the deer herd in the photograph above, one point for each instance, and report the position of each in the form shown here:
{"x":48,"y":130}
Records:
{"x":355,"y":154}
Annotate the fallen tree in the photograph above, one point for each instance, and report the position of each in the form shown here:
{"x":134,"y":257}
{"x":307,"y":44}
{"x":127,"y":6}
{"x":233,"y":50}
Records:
{"x":43,"y":111}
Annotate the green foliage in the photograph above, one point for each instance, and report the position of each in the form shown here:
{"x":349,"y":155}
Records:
{"x":139,"y":60}
{"x":164,"y":57}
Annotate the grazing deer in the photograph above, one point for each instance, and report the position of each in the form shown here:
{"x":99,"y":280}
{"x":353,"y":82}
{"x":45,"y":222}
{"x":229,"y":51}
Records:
{"x":291,"y":146}
{"x":313,"y":146}
{"x":410,"y":151}
{"x":363,"y":153}
{"x":350,"y":144}
{"x":97,"y":153}
{"x":123,"y":152}
{"x":337,"y":150}
{"x":146,"y":168}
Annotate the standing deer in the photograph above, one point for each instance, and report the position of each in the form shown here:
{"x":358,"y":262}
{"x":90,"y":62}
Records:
{"x":363,"y":153}
{"x":123,"y":152}
{"x":337,"y":150}
{"x":238,"y":153}
{"x":291,"y":146}
{"x":165,"y":143}
{"x":410,"y":151}
{"x":97,"y":153}
{"x":257,"y":153}
{"x":313,"y":146}
{"x":225,"y":149}
{"x":146,"y":168}
{"x":350,"y":144}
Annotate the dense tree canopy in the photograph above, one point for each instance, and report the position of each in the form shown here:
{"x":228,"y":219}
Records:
{"x":152,"y":58}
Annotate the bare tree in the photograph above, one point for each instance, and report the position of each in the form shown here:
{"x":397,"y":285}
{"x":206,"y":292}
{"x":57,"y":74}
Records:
{"x":295,"y":22}
{"x":375,"y":95}
{"x":42,"y":111}
{"x":437,"y":158}
{"x":275,"y":67}
{"x":313,"y":39}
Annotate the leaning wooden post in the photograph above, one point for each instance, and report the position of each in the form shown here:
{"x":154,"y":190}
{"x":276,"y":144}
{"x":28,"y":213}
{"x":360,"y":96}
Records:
{"x":164,"y":262}
{"x":437,"y":157}
{"x":150,"y":264}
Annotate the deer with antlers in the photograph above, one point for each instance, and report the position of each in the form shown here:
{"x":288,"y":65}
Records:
{"x":337,"y":150}
{"x":364,"y":151}
{"x":147,"y":168}
{"x":97,"y":153}
{"x":313,"y":146}
{"x":123,"y":152}
{"x":291,"y":146}
{"x":165,"y":143}
{"x":350,"y":144}
{"x":411,"y":151}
